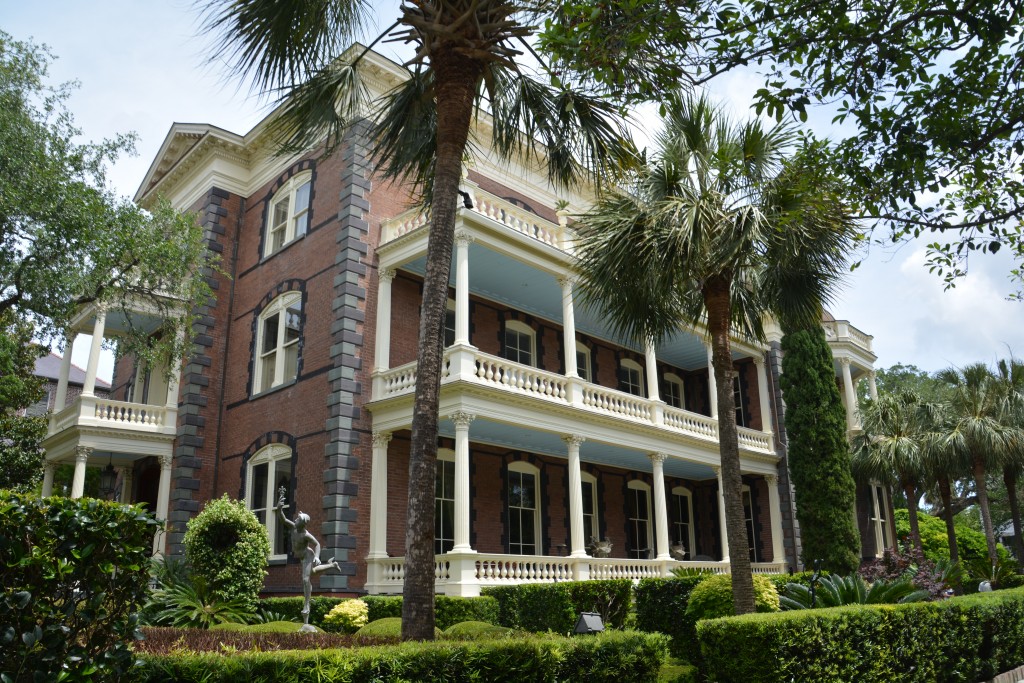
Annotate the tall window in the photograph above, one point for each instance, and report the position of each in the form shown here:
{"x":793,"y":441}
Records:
{"x":583,"y":361}
{"x":682,"y":519}
{"x":520,"y":343}
{"x":288,"y":218}
{"x":879,"y":520}
{"x":277,"y":337}
{"x":444,"y":502}
{"x":737,"y":393}
{"x":266,"y":472}
{"x":591,"y":523}
{"x":748,"y":518}
{"x":449,"y":324}
{"x":523,"y":509}
{"x":631,"y":377}
{"x":638,"y":524}
{"x":672,"y":392}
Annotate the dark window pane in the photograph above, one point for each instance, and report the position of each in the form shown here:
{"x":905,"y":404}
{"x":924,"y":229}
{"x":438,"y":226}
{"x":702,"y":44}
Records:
{"x":270,"y":333}
{"x":259,"y":487}
{"x":529,"y":491}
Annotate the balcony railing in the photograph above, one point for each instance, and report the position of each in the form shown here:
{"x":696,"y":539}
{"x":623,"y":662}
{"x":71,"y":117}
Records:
{"x":843,"y":331}
{"x":91,"y":411}
{"x":464,"y":363}
{"x":466,"y":573}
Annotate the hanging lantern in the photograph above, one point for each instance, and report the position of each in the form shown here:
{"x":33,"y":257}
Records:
{"x":108,"y":479}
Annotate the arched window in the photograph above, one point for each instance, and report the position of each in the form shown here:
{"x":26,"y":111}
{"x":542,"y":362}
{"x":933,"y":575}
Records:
{"x":591,"y":519}
{"x":267,"y":471}
{"x":277,"y":342}
{"x":672,"y":391}
{"x":520,"y":343}
{"x":444,"y":502}
{"x":288,"y":217}
{"x":524,"y":534}
{"x":583,"y":362}
{"x":631,"y":377}
{"x":748,"y":519}
{"x":682,"y":519}
{"x":638,"y":523}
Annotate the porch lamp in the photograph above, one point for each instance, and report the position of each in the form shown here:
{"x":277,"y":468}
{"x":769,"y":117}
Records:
{"x":589,"y":622}
{"x":108,"y":479}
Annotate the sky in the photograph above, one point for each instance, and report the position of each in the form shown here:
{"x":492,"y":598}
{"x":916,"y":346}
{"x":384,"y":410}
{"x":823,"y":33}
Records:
{"x":142,"y":65}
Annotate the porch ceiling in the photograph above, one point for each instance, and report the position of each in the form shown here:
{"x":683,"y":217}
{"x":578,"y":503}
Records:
{"x":523,"y":438}
{"x":507,"y":280}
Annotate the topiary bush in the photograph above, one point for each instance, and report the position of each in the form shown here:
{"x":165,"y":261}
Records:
{"x":389,"y":627}
{"x":347,"y":616}
{"x":661,"y":606}
{"x":712,"y":598}
{"x":226,"y":545}
{"x":475,"y":630}
{"x":541,"y":607}
{"x":74,"y":573}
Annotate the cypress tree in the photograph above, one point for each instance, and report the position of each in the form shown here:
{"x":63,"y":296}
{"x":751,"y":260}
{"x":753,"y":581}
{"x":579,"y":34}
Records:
{"x":819,"y":452}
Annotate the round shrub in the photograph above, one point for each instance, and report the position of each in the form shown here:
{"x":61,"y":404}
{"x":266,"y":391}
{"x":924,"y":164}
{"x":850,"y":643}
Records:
{"x":712,"y":598}
{"x":228,"y":547}
{"x":475,"y":630}
{"x":268,"y":627}
{"x":347,"y":616}
{"x":389,"y":627}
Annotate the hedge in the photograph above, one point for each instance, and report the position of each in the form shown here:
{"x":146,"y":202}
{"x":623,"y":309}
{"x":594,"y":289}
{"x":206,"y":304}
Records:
{"x":661,"y":606}
{"x":541,"y":607}
{"x":618,"y":657}
{"x":968,"y":638}
{"x":448,"y":610}
{"x":73,"y":574}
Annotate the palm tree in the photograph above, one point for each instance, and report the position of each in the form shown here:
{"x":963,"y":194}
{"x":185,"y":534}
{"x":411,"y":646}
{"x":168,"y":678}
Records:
{"x":976,"y":431}
{"x":1010,"y":374}
{"x":891,"y":448}
{"x":716,"y":228}
{"x":465,"y":58}
{"x":942,"y":466}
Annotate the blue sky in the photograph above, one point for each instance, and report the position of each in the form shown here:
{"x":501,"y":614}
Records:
{"x":142,"y":67}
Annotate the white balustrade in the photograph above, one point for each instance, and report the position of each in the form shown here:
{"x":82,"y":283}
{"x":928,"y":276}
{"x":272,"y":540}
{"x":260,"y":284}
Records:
{"x":92,"y":411}
{"x":691,"y":423}
{"x":755,"y":440}
{"x":495,"y":570}
{"x":616,"y":403}
{"x":519,"y":378}
{"x":124,"y":413}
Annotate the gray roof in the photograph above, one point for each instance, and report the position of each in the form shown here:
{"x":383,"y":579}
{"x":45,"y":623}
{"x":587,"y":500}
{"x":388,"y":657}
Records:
{"x":49,"y":367}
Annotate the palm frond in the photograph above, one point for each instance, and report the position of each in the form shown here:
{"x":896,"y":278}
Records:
{"x":404,"y":132}
{"x":320,"y":110}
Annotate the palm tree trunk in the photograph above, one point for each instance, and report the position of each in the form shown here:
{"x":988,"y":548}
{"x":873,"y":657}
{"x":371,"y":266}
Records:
{"x":947,"y":515}
{"x":718,"y":305}
{"x":456,"y":79}
{"x":986,"y":517}
{"x":910,"y":491}
{"x":1010,"y":479}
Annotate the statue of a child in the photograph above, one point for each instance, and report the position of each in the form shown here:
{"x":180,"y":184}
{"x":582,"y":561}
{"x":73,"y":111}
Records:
{"x":307,"y":549}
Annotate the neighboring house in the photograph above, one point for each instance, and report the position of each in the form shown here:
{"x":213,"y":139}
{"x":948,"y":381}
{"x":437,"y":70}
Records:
{"x":1005,"y":534}
{"x":553,"y":431}
{"x":48,"y":367}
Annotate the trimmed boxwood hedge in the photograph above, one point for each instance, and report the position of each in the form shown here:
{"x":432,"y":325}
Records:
{"x":969,"y":638}
{"x":618,"y":657}
{"x":661,"y":606}
{"x":541,"y":607}
{"x":448,"y":610}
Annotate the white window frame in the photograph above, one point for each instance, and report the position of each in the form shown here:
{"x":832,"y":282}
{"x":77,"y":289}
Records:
{"x":745,"y":496}
{"x":525,"y":330}
{"x":583,"y":366}
{"x":523,"y":467}
{"x":447,"y":456}
{"x":879,"y":519}
{"x":449,"y":314}
{"x":587,"y":479}
{"x":295,"y":215}
{"x":645,"y":489}
{"x":280,"y":305}
{"x":674,"y":380}
{"x":691,"y":541}
{"x":737,"y":395}
{"x":274,"y":456}
{"x":626,"y":366}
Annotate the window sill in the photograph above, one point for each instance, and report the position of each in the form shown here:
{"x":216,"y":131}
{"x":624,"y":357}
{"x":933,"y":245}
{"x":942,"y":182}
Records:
{"x":284,"y":247}
{"x":271,"y":390}
{"x":277,"y":560}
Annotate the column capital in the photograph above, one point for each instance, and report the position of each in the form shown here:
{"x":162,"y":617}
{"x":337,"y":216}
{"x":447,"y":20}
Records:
{"x":462,"y":419}
{"x":758,"y":359}
{"x":381,"y":439}
{"x":166,"y":461}
{"x":771,"y":479}
{"x":463,"y":238}
{"x":573,"y":439}
{"x":717,"y":470}
{"x":49,"y":465}
{"x":82,"y":453}
{"x":657,"y":458}
{"x":386,"y":274}
{"x":844,"y":362}
{"x":567,"y":280}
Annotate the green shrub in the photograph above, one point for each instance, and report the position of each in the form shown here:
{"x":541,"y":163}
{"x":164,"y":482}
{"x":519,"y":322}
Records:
{"x":347,"y":616}
{"x":541,"y":607}
{"x":74,"y":573}
{"x":191,"y":604}
{"x":266,"y":627}
{"x":836,"y":591}
{"x":160,"y":640}
{"x":448,"y":610}
{"x":615,"y":657}
{"x":475,"y":630}
{"x":970,"y":544}
{"x":389,"y":627}
{"x":780,"y":581}
{"x":969,"y":638}
{"x":227,"y":546}
{"x":661,"y":606}
{"x":291,"y":608}
{"x":712,"y":598}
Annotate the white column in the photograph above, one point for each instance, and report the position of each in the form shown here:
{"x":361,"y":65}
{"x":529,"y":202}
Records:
{"x":721,"y":515}
{"x":462,"y":421}
{"x":568,"y":327}
{"x":82,"y":454}
{"x":382,"y":346}
{"x":379,"y":497}
{"x":762,"y":391}
{"x":778,"y":553}
{"x":127,"y":476}
{"x":660,"y":506}
{"x":712,"y":388}
{"x":163,"y":501}
{"x":462,"y":241}
{"x":577,"y":544}
{"x":851,"y":398}
{"x":94,"y":353}
{"x":652,"y":372}
{"x":872,"y":387}
{"x":61,"y":399}
{"x":49,"y":468}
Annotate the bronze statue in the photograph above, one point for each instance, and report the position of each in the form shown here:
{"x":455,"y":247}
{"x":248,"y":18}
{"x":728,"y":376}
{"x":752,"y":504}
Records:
{"x":307,"y":549}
